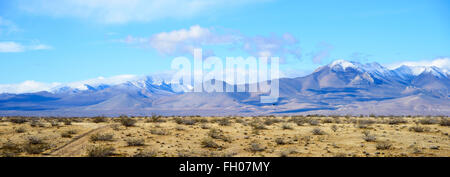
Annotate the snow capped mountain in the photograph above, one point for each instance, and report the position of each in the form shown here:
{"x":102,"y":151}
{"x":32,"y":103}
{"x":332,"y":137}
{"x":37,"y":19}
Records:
{"x":376,"y":73}
{"x":372,"y":68}
{"x":355,"y":74}
{"x":432,"y":70}
{"x":145,"y":83}
{"x":342,"y":65}
{"x":342,"y":87}
{"x":407,"y":71}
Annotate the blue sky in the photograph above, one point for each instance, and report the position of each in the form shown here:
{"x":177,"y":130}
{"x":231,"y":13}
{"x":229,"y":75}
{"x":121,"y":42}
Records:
{"x":72,"y":40}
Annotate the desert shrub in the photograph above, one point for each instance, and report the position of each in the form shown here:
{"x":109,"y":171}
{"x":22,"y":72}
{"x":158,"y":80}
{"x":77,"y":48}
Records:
{"x":37,"y":123}
{"x":209,"y":143}
{"x":334,"y":128}
{"x":156,"y":118}
{"x":313,"y":122}
{"x":18,"y":120}
{"x":340,"y":154}
{"x":186,"y":153}
{"x":72,"y":131}
{"x":21,"y":130}
{"x":33,"y":139}
{"x":204,"y":126}
{"x":68,"y":133}
{"x":299,"y":120}
{"x":383,"y":145}
{"x":115,"y":127}
{"x":255,"y":131}
{"x":256,"y":147}
{"x":10,"y":149}
{"x":135,"y":142}
{"x":224,"y":122}
{"x":258,"y":125}
{"x":428,"y":121}
{"x":419,"y":129}
{"x":54,"y":123}
{"x":159,"y":132}
{"x":100,"y":151}
{"x":146,"y":153}
{"x":269,"y":122}
{"x":102,"y":137}
{"x":287,"y":127}
{"x":318,"y":131}
{"x":445,"y":122}
{"x":180,"y":128}
{"x":77,"y":119}
{"x":369,"y":137}
{"x":35,"y":148}
{"x":281,"y":141}
{"x":327,"y":121}
{"x":215,"y":133}
{"x":366,"y":132}
{"x":128,"y":122}
{"x":99,"y":119}
{"x":218,"y":134}
{"x":395,"y":121}
{"x":364,"y":123}
{"x":241,"y":121}
{"x":185,"y":121}
{"x":35,"y":145}
{"x":202,"y":120}
{"x":66,"y":121}
{"x":284,"y":154}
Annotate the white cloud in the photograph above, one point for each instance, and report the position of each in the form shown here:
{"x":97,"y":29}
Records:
{"x":442,"y":63}
{"x":11,"y":47}
{"x":40,"y":47}
{"x":322,"y":52}
{"x":122,"y":11}
{"x":27,"y":87}
{"x":273,"y":45}
{"x":183,"y":41}
{"x":14,"y":47}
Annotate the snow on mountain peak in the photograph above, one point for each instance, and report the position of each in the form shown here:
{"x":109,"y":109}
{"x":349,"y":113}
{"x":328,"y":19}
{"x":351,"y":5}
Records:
{"x":99,"y":81}
{"x":343,"y":64}
{"x":417,"y":70}
{"x":373,"y":68}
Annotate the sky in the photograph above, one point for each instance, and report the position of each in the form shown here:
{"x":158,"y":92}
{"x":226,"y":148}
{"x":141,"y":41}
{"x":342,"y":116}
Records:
{"x":46,"y":42}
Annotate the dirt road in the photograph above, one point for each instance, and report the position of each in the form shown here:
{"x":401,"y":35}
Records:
{"x":74,"y":148}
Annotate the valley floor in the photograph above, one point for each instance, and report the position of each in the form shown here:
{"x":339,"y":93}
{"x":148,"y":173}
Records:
{"x":291,"y":136}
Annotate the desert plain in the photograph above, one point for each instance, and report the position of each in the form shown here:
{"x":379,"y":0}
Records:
{"x":233,"y":136}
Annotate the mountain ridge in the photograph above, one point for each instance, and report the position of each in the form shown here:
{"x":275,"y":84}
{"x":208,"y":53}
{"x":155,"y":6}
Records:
{"x":341,"y":87}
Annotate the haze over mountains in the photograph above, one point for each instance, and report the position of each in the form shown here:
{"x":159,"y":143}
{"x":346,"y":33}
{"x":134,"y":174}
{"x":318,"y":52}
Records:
{"x":341,"y":87}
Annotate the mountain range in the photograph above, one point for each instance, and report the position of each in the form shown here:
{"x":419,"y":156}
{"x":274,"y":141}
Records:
{"x":339,"y":88}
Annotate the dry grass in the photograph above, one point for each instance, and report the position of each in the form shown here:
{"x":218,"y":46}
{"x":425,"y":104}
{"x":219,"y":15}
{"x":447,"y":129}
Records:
{"x":318,"y":131}
{"x":209,"y":143}
{"x":135,"y":141}
{"x":145,"y":153}
{"x":100,"y":151}
{"x":102,"y":137}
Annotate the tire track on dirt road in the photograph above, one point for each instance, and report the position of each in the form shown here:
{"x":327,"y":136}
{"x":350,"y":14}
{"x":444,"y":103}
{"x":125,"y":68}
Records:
{"x":74,"y":148}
